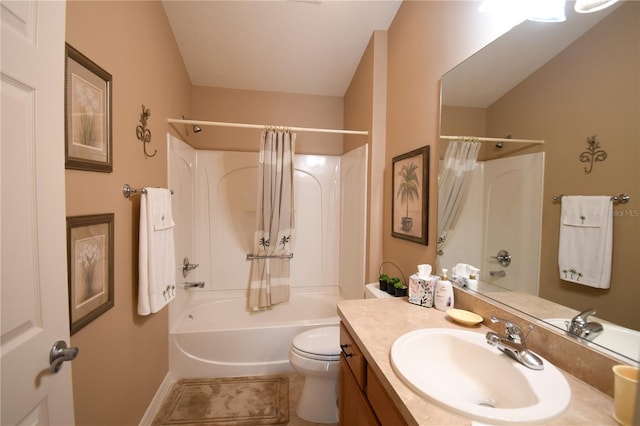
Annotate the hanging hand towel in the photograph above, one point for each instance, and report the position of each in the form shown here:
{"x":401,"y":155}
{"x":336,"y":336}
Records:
{"x":586,"y":240}
{"x":156,"y":261}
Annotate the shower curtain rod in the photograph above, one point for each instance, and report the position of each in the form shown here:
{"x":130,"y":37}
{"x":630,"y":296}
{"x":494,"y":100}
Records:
{"x":483,"y":139}
{"x":261,"y":126}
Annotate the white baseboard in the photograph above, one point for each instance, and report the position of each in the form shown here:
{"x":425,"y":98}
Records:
{"x":153,"y":407}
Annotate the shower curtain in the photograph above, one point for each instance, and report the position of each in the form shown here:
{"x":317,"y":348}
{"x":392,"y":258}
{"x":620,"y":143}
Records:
{"x":459,"y":161}
{"x":273,"y":238}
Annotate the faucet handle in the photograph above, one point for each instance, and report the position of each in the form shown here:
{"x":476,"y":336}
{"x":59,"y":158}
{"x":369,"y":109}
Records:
{"x":581,"y":318}
{"x":512,"y":328}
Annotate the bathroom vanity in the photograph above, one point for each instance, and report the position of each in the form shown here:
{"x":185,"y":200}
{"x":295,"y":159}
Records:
{"x":372,"y":393}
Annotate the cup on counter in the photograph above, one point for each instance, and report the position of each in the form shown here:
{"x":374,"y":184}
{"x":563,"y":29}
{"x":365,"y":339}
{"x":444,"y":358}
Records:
{"x":625,"y":388}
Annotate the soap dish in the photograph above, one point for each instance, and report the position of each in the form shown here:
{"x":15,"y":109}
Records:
{"x":464,"y":317}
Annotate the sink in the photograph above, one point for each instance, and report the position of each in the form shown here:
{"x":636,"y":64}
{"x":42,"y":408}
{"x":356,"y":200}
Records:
{"x":458,"y":369}
{"x":623,"y":341}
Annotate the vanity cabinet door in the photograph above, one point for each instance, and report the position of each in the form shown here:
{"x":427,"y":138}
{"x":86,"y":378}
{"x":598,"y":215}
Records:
{"x":354,"y":407}
{"x":353,"y":356}
{"x":382,"y":405}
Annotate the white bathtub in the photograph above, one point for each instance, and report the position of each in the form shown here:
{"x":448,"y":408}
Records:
{"x":221,"y":338}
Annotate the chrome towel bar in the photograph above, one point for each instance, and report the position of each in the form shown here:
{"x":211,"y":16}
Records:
{"x":622,"y":198}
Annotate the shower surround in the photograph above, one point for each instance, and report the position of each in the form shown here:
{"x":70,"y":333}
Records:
{"x":214,"y":206}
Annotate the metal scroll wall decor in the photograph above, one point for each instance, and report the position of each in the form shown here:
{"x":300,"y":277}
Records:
{"x":144,"y":134}
{"x":593,"y":154}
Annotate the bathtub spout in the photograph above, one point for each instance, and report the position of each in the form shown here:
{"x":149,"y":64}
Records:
{"x":199,"y":284}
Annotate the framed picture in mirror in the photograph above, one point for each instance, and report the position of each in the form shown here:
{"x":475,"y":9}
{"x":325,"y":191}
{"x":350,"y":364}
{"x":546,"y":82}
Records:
{"x":410,"y":196}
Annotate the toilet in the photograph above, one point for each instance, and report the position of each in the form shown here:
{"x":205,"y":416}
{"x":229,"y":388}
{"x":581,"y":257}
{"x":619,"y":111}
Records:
{"x":315,"y":354}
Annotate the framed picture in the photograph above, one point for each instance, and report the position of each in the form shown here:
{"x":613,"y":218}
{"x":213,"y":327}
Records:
{"x":88,"y":142}
{"x":410,"y":202}
{"x":90,"y":267}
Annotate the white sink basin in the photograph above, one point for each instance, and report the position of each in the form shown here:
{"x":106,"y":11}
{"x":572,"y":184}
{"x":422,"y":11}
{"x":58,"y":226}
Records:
{"x":459,"y":370}
{"x":621,"y":340}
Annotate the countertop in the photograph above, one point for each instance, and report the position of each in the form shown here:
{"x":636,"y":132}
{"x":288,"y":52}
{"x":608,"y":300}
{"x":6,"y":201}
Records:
{"x":376,"y":323}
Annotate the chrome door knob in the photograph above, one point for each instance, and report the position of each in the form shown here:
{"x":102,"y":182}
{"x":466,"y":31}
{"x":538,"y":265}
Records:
{"x":61,"y":353}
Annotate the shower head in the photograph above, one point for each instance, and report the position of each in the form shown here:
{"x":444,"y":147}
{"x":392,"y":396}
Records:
{"x":195,"y":127}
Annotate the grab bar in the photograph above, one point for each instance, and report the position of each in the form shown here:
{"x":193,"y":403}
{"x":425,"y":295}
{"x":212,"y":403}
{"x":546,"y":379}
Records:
{"x":273,"y":256}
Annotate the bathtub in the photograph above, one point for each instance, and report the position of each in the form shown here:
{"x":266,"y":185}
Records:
{"x":221,"y":338}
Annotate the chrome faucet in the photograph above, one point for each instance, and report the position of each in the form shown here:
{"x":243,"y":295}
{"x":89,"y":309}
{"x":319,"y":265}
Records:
{"x":514,"y":344}
{"x":579,"y":326}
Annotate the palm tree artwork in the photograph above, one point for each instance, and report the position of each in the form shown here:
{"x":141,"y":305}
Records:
{"x":408,"y":191}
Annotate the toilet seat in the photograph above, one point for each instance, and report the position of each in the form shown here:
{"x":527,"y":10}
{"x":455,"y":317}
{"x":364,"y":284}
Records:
{"x":322,"y":344}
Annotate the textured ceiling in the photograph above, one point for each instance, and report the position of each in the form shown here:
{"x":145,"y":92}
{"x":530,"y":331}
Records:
{"x":310,"y":47}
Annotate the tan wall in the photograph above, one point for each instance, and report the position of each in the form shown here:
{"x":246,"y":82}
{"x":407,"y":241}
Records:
{"x":426,"y":39}
{"x":273,"y":108}
{"x":124,"y":357}
{"x":591,"y":88}
{"x":365,"y":109}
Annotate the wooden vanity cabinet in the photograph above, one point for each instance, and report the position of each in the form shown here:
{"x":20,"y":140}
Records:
{"x":363,"y":400}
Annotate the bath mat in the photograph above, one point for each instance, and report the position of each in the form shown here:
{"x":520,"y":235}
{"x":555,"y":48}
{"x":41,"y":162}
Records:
{"x":237,"y":401}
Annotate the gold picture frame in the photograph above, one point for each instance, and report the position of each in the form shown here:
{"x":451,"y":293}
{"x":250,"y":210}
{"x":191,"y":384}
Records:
{"x":410,"y":196}
{"x":90,"y":267}
{"x":88,"y":140}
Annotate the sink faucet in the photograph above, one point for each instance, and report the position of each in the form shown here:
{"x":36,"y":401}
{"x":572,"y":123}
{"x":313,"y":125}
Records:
{"x":579,"y":326}
{"x":514,"y":344}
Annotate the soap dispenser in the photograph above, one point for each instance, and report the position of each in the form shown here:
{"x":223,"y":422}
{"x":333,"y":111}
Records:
{"x":472,"y":282}
{"x":444,"y":293}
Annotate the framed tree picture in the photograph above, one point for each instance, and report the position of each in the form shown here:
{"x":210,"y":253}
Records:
{"x":410,"y":197}
{"x":90,"y":267}
{"x":88,"y":141}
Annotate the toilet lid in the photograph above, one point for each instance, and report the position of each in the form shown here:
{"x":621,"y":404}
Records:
{"x":319,"y":341}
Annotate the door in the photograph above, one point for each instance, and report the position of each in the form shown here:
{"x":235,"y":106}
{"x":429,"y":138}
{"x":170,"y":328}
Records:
{"x":33,"y":262}
{"x":513,"y":221}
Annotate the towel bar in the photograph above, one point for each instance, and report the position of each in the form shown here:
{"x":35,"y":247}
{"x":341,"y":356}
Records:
{"x":128,"y":191}
{"x":281,"y":256}
{"x":622,"y":198}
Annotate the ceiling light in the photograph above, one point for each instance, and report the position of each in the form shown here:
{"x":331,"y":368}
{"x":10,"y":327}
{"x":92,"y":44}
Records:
{"x":589,"y":6}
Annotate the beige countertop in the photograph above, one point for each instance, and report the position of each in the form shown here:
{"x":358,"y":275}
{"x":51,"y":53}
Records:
{"x":376,"y":323}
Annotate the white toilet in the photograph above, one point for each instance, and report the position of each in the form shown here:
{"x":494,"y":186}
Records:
{"x":315,"y":354}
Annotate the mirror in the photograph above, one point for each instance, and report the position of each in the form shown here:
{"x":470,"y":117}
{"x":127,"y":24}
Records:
{"x":566,"y":84}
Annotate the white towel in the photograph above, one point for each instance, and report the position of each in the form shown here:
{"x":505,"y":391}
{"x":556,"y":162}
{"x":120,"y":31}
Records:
{"x":586,"y":240}
{"x":157,"y":259}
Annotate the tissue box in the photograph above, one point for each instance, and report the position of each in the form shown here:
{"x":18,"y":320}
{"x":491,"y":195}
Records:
{"x":421,"y":291}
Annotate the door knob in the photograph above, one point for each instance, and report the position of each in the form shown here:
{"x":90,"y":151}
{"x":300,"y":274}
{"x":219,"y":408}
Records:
{"x":59,"y":354}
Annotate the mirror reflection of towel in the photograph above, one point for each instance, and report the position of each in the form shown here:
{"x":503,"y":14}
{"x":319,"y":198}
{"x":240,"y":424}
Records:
{"x":586,"y":240}
{"x":156,"y":259}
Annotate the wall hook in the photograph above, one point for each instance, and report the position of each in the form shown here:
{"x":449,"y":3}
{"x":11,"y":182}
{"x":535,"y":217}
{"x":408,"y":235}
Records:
{"x":592,"y":154}
{"x":144,"y":134}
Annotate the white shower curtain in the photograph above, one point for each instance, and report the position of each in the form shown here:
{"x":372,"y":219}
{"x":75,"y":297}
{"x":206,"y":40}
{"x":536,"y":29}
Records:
{"x":459,"y":161}
{"x":273,"y":238}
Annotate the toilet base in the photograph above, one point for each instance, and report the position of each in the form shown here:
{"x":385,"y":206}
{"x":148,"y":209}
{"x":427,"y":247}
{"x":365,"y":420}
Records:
{"x":319,"y":400}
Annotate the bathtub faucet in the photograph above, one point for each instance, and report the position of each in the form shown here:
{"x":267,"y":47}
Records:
{"x":199,"y":284}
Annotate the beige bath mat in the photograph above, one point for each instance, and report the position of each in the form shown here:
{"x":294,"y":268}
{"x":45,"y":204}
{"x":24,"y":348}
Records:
{"x":257,"y":400}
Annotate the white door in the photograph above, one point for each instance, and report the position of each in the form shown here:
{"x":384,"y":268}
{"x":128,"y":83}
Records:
{"x":33,"y":252}
{"x":513,"y":221}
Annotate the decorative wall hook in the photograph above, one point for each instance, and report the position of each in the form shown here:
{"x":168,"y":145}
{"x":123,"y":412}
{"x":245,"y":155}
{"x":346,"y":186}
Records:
{"x":593,"y":154}
{"x":144,"y":134}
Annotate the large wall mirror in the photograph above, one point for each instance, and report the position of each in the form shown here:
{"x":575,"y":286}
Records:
{"x":575,"y":86}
